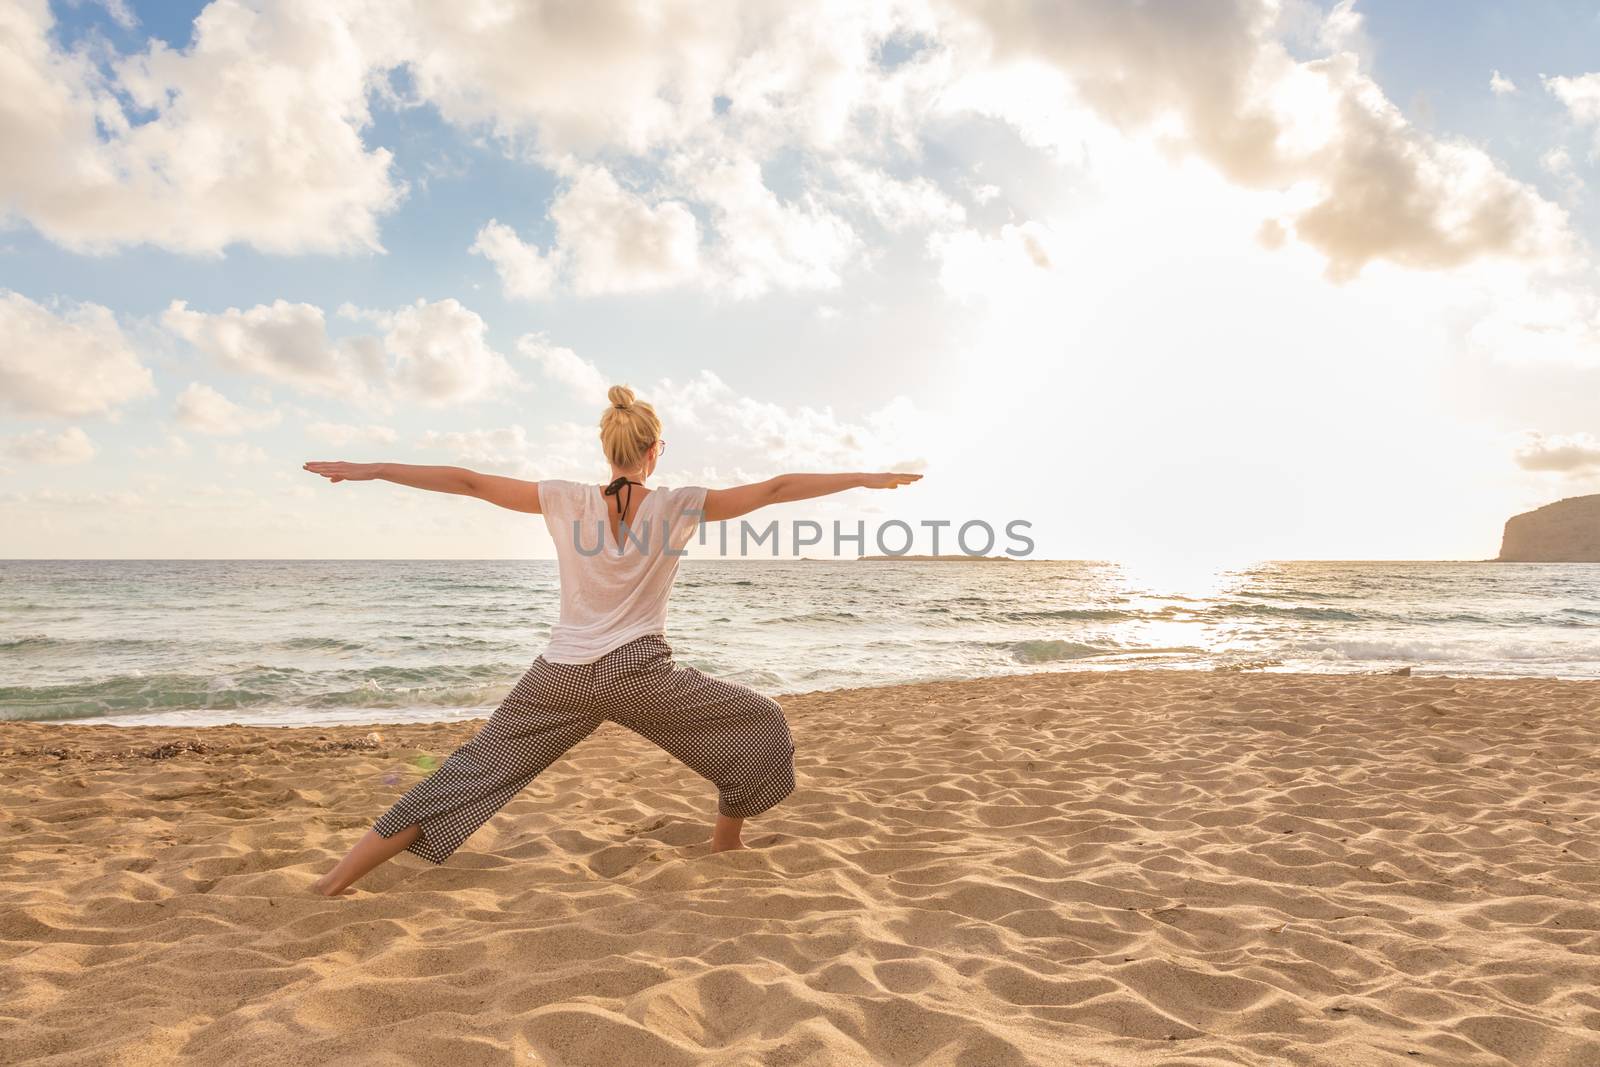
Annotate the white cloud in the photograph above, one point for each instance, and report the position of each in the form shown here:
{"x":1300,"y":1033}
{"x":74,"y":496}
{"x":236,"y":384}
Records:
{"x":70,"y":365}
{"x":503,"y":450}
{"x":71,"y":445}
{"x":525,"y":272}
{"x":615,"y":77}
{"x":203,"y":409}
{"x":768,"y":438}
{"x":116,"y":500}
{"x":586,"y":77}
{"x":1582,"y":96}
{"x":282,"y":342}
{"x":1500,"y":85}
{"x":431,"y":353}
{"x":1526,"y":320}
{"x":1210,"y":79}
{"x":568,"y":450}
{"x":620,"y":242}
{"x":1572,"y":454}
{"x":608,"y":240}
{"x":172,"y":446}
{"x":1557,"y":162}
{"x":335,"y":433}
{"x":610,"y":79}
{"x":612,"y":240}
{"x":239,"y":453}
{"x":564,"y":365}
{"x":809,"y":78}
{"x":767,"y":243}
{"x":614,"y":81}
{"x":894,"y":203}
{"x":252,"y":134}
{"x":1013,"y":264}
{"x":120,"y":13}
{"x":1344,"y":30}
{"x":256,"y":128}
{"x":982,"y":194}
{"x":701,"y":415}
{"x":441,"y":353}
{"x":117,"y":10}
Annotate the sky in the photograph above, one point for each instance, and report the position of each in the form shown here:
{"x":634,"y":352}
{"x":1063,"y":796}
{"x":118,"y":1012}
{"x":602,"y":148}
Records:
{"x":1218,"y":280}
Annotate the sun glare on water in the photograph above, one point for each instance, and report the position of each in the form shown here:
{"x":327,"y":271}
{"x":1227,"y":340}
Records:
{"x":1170,"y":595}
{"x":1182,"y":578}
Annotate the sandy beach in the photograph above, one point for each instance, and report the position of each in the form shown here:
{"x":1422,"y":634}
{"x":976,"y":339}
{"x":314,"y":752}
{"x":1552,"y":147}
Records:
{"x":1138,"y":867}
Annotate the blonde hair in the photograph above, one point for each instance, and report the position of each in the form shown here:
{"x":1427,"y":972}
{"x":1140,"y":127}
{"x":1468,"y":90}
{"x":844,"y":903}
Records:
{"x":627,"y":429}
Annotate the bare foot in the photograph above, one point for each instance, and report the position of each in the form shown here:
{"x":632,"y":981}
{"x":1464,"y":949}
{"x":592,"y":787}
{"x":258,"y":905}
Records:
{"x":729,"y":848}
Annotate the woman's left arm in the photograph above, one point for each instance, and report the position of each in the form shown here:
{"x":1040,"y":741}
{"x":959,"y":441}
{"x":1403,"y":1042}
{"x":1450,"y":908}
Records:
{"x":741,"y":500}
{"x":513,"y":493}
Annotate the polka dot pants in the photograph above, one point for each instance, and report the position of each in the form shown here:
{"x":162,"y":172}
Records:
{"x":732,"y":736}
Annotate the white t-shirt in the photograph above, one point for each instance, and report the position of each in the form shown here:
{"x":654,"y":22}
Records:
{"x":612,"y":590}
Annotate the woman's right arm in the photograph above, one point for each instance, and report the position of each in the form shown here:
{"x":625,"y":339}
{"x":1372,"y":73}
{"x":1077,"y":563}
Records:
{"x":741,"y":500}
{"x":513,"y":493}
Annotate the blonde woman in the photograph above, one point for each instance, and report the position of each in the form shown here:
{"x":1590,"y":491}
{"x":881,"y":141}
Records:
{"x":617,"y":548}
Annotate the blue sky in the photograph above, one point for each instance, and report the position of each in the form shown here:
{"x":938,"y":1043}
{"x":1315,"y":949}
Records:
{"x":1031,"y":251}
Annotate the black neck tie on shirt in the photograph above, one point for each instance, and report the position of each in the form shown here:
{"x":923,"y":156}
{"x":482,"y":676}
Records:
{"x":616,"y":489}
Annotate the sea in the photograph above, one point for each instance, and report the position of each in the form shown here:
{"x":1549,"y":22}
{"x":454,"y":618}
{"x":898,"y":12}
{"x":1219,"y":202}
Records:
{"x":325,"y":642}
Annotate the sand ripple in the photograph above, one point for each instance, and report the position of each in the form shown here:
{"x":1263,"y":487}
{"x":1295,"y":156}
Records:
{"x":1071,"y":868}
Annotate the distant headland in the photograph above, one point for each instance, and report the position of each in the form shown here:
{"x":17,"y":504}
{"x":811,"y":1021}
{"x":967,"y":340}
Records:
{"x":1567,"y":531}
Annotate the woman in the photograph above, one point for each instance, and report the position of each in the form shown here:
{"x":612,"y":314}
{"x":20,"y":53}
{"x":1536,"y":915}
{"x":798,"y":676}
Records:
{"x":617,"y":548}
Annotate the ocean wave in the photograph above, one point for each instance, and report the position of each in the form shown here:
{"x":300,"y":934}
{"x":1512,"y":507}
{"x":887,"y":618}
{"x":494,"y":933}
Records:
{"x":55,"y":647}
{"x":1432,"y":651}
{"x":280,"y":641}
{"x":1054,"y":614}
{"x":1188,"y":606}
{"x":26,"y":643}
{"x":1299,"y":593}
{"x":1580,"y":613}
{"x":809,"y":616}
{"x":457,"y":642}
{"x":262,"y":687}
{"x":1245,"y":609}
{"x":1052,"y":651}
{"x":318,"y":644}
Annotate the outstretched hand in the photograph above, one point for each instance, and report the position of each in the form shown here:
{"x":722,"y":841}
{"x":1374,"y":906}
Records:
{"x":339,"y":471}
{"x":889,"y":481}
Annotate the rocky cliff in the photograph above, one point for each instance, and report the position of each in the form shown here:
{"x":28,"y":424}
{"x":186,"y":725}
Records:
{"x":1567,"y":531}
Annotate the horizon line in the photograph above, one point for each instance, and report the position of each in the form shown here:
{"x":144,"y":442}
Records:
{"x":727,"y":559}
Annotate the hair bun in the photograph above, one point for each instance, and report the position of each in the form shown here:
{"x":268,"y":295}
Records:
{"x":621,"y":397}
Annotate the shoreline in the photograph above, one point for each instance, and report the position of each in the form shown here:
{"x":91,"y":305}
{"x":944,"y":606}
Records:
{"x":1232,"y":867}
{"x":351,"y":736}
{"x":1414,"y":671}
